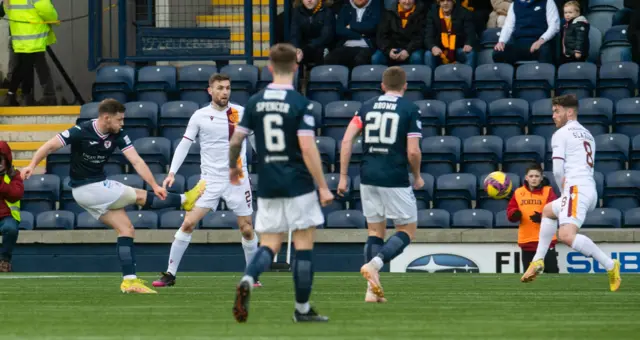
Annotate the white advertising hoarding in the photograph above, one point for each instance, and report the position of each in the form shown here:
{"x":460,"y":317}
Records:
{"x":504,"y":258}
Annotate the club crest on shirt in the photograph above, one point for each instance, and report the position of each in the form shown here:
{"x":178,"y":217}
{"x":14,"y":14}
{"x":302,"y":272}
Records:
{"x":107,"y":144}
{"x":211,"y":117}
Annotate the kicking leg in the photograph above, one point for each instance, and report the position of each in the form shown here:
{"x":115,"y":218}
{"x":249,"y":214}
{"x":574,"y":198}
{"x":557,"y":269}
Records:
{"x":148,"y":200}
{"x":303,"y":276}
{"x":548,"y":228}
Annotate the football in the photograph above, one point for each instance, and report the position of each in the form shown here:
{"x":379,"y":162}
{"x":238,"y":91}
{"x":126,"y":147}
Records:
{"x":497,"y":185}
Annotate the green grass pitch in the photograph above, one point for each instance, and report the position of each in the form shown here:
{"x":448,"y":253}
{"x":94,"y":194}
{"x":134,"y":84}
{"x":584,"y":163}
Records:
{"x":421,"y":306}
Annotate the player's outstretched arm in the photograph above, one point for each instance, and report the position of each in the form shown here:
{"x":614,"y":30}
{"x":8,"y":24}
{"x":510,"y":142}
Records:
{"x":235,"y":147}
{"x":143,"y":170}
{"x":311,"y":157}
{"x":50,"y":146}
{"x":353,"y":131}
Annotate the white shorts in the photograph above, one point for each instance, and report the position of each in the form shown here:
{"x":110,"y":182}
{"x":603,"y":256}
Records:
{"x":279,"y":215}
{"x":100,"y":197}
{"x":574,"y":204}
{"x":380,"y":203}
{"x":237,"y":197}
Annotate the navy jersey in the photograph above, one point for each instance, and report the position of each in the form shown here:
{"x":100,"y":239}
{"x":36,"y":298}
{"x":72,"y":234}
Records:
{"x":90,"y":150}
{"x":387,"y":121}
{"x":277,"y":116}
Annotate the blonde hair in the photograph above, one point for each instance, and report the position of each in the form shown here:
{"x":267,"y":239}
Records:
{"x":575,"y":4}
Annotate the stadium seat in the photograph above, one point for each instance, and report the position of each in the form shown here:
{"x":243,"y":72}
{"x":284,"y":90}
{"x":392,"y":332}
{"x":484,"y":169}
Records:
{"x":424,"y":195}
{"x":466,"y":118}
{"x":356,"y":157}
{"x":328,"y":83}
{"x":622,"y":190}
{"x":483,"y":201}
{"x":191,"y":164}
{"x":632,"y":218}
{"x":316,"y":110}
{"x":521,"y":151}
{"x":455,"y":192}
{"x":612,"y":152}
{"x":26,"y":220}
{"x":618,"y":80}
{"x":140,"y":119}
{"x":418,"y":81}
{"x":548,"y":156}
{"x":88,"y":111}
{"x":365,"y":82}
{"x":452,"y":82}
{"x":354,"y":193}
{"x":472,"y":218}
{"x":432,"y":116}
{"x":174,"y":117}
{"x":626,"y":120}
{"x":337,"y":116}
{"x":173,"y":220}
{"x":192,"y":181}
{"x":143,"y":219}
{"x":59,"y":162}
{"x":488,"y":40}
{"x":599,"y":178}
{"x":67,"y":202}
{"x":596,"y":114}
{"x":220,"y":220}
{"x":254,"y":179}
{"x":155,"y":151}
{"x":603,"y":218}
{"x":552,"y":182}
{"x":193,"y":81}
{"x":440,"y":155}
{"x":577,"y":78}
{"x":595,"y":42}
{"x":115,"y":82}
{"x":41,"y":192}
{"x":501,"y":220}
{"x":615,"y":45}
{"x":601,"y":12}
{"x":334,"y":206}
{"x":332,"y":180}
{"x":156,"y":84}
{"x":346,"y":219}
{"x":534,"y":81}
{"x":634,"y":159}
{"x":493,"y":81}
{"x":541,"y":119}
{"x":481,"y":154}
{"x":507,"y":117}
{"x":244,"y":79}
{"x":55,"y":220}
{"x":327,"y":149}
{"x":132,"y":180}
{"x":178,"y":186}
{"x":266,"y":78}
{"x":434,"y":218}
{"x":86,"y":221}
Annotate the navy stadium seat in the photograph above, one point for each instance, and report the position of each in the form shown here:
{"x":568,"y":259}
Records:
{"x":67,"y":202}
{"x":488,"y":39}
{"x":266,"y":78}
{"x":603,"y":218}
{"x":220,"y":220}
{"x":481,"y":154}
{"x":26,"y":220}
{"x":541,"y":119}
{"x":88,"y":111}
{"x":334,"y":206}
{"x":328,"y":83}
{"x":466,"y":118}
{"x":354,"y":194}
{"x":501,"y":220}
{"x":244,"y":79}
{"x":618,"y":80}
{"x":534,"y":81}
{"x":596,"y":114}
{"x":418,"y":81}
{"x":440,"y":155}
{"x":115,"y":82}
{"x":143,"y":219}
{"x":59,"y":162}
{"x":432,"y":116}
{"x":483,"y":201}
{"x":173,"y":220}
{"x":424,"y":195}
{"x":156,"y":83}
{"x":346,"y":219}
{"x":193,"y":81}
{"x":493,"y":81}
{"x":365,"y":82}
{"x":316,"y":110}
{"x":521,"y":151}
{"x":174,"y":117}
{"x":632,"y":218}
{"x":507,"y":117}
{"x":595,"y":42}
{"x":41,"y":192}
{"x":577,"y":78}
{"x":191,"y":164}
{"x":337,"y":116}
{"x":434,"y":218}
{"x":332,"y":180}
{"x":155,"y":151}
{"x":599,"y":178}
{"x":634,"y":158}
{"x":192,"y":181}
{"x":601,"y":12}
{"x":140,"y":119}
{"x":178,"y":186}
{"x":627,"y":117}
{"x":472,"y":218}
{"x":56,"y":220}
{"x":615,"y":45}
{"x":622,"y":190}
{"x":455,"y":192}
{"x":612,"y":152}
{"x":327,"y":149}
{"x":86,"y":221}
{"x":356,"y":157}
{"x":452,"y":82}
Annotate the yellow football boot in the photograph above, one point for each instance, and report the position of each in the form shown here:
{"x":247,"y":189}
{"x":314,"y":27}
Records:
{"x":192,"y":195}
{"x":614,"y":276}
{"x":535,"y":268}
{"x":136,"y":286}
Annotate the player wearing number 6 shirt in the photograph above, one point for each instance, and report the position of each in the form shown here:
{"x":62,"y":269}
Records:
{"x":392,"y":132}
{"x":574,"y":151}
{"x":213,"y":125}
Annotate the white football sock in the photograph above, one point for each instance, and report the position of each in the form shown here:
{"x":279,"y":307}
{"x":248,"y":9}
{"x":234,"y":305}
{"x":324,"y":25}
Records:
{"x":303,"y":308}
{"x":178,"y":247}
{"x":183,"y":198}
{"x":586,"y":246}
{"x":130,"y":277}
{"x":377,"y":263}
{"x":548,"y":229}
{"x":250,"y":248}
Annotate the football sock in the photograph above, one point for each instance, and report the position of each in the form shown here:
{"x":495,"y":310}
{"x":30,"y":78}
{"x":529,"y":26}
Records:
{"x":394,"y":247}
{"x":548,"y":229}
{"x":372,"y":247}
{"x":178,"y":247}
{"x":250,"y":248}
{"x":260,"y":262}
{"x":303,"y":278}
{"x":586,"y":246}
{"x":153,"y":202}
{"x":127,"y":257}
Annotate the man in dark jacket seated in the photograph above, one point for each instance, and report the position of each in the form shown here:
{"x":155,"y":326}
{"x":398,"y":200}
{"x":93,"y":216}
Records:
{"x":401,"y":33}
{"x":450,"y":35}
{"x":312,"y":30}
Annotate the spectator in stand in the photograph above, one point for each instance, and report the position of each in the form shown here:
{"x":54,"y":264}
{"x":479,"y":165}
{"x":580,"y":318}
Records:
{"x":400,"y":34}
{"x":499,"y":14}
{"x":312,"y":28}
{"x":634,"y":32}
{"x":356,"y":33}
{"x":450,"y":35}
{"x":575,"y":38}
{"x":525,"y":207}
{"x":527,"y":31}
{"x":11,"y":192}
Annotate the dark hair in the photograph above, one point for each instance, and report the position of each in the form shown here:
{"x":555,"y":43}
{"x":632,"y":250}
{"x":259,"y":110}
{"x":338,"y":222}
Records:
{"x":535,"y":167}
{"x":568,"y":101}
{"x":111,"y":107}
{"x":282,"y":57}
{"x":218,"y":77}
{"x":394,"y":78}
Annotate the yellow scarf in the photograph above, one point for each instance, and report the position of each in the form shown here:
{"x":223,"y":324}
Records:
{"x":448,"y":38}
{"x":317,"y":8}
{"x":404,"y":15}
{"x":465,"y":4}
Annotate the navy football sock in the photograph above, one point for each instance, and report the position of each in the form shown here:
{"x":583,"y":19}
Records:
{"x":372,"y":247}
{"x":126,"y":255}
{"x":153,"y":202}
{"x":303,"y":274}
{"x":261,"y":262}
{"x":394,"y":246}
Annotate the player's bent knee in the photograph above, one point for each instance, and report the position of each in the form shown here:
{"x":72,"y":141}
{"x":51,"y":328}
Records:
{"x":246,"y":226}
{"x":188,"y":225}
{"x":547,"y":211}
{"x":567,"y":233}
{"x":129,"y":196}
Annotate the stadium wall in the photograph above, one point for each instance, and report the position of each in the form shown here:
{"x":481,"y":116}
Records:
{"x":336,"y":251}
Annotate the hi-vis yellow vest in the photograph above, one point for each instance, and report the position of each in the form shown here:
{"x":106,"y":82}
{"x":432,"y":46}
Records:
{"x":15,"y":207}
{"x":29,"y":32}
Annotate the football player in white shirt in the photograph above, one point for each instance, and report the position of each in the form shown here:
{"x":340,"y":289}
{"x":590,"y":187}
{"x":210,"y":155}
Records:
{"x":574,"y":151}
{"x":213,"y":125}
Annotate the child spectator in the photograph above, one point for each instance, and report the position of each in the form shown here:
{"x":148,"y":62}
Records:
{"x":575,"y":40}
{"x":312,"y":29}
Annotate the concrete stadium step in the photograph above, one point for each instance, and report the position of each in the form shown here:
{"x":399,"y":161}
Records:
{"x":227,"y":10}
{"x":31,"y":132}
{"x":39,"y":115}
{"x":218,"y":3}
{"x":260,"y":21}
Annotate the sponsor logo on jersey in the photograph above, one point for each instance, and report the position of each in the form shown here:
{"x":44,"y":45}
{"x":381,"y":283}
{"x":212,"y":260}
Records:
{"x":443,"y":263}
